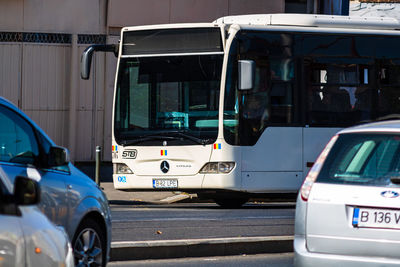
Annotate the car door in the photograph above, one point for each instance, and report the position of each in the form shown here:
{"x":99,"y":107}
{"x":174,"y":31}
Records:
{"x":22,"y":153}
{"x":12,"y":243}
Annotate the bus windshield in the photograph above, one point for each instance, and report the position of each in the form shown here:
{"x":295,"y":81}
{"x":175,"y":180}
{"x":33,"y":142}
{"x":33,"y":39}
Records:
{"x":168,"y":98}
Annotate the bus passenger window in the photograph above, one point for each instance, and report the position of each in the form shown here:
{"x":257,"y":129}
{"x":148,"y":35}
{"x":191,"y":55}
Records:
{"x":389,"y":89}
{"x":281,"y":102}
{"x":363,"y":102}
{"x":338,"y":94}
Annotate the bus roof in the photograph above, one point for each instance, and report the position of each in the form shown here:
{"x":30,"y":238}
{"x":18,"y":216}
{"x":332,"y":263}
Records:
{"x":312,"y":20}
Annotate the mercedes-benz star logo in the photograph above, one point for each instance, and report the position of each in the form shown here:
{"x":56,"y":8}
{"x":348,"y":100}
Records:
{"x":164,"y":166}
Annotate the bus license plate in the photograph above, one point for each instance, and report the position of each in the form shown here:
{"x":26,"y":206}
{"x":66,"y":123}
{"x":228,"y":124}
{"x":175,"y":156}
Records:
{"x":165,"y":183}
{"x":376,"y":218}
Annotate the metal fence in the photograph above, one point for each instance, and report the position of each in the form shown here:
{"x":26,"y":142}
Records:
{"x":36,"y":75}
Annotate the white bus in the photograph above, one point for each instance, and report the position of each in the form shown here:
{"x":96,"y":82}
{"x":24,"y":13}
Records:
{"x":241,"y":107}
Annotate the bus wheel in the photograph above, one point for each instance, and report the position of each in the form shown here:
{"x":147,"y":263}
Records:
{"x":231,"y":203}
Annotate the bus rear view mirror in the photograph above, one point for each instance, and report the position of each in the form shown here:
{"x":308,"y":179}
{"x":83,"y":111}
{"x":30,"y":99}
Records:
{"x":246,"y":69}
{"x":86,"y":58}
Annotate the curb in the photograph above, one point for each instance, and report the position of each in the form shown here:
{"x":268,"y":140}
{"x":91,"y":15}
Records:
{"x":140,"y":250}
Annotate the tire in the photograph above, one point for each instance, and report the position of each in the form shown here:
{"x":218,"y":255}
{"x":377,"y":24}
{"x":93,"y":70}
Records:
{"x":89,"y":245}
{"x":231,"y":203}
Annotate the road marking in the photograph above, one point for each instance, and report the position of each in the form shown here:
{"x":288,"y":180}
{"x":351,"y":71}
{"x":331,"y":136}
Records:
{"x":203,"y":219}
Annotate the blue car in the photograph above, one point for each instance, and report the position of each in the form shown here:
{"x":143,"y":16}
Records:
{"x":69,"y":198}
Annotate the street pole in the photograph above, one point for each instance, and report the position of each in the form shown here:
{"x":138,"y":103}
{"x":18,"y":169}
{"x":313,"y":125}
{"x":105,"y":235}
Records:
{"x":97,"y":174}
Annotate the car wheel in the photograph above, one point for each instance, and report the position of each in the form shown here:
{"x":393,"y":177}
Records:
{"x":89,"y":245}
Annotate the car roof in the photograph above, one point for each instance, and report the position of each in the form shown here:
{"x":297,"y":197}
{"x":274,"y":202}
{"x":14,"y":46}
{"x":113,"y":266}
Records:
{"x":391,"y":126}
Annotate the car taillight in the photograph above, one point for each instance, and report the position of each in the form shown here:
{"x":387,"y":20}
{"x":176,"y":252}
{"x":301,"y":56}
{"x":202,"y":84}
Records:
{"x":316,"y":168}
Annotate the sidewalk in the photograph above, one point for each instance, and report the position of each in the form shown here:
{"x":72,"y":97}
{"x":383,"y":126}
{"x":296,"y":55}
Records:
{"x":118,"y":197}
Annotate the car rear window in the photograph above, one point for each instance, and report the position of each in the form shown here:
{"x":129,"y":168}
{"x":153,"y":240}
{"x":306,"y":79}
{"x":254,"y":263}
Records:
{"x":367,"y":159}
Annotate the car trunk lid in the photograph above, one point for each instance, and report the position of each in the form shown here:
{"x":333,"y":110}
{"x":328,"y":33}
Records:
{"x":333,"y":225}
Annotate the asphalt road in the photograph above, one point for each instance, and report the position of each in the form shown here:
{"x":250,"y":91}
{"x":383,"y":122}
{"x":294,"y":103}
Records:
{"x":260,"y":260}
{"x":199,"y":220}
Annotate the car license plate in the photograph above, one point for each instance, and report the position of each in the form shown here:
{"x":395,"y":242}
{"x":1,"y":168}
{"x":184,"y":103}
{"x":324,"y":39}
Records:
{"x":376,"y":218}
{"x":165,"y":183}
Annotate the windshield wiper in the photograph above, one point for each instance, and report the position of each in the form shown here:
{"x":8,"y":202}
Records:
{"x":145,"y":138}
{"x":166,"y":136}
{"x":192,"y":138}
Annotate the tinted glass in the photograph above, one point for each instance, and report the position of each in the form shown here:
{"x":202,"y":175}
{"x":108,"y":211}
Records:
{"x":313,"y":79}
{"x":388,"y":95}
{"x":271,"y":100}
{"x":168,"y":95}
{"x":349,"y":79}
{"x":17,"y":140}
{"x":192,"y":40}
{"x":339,"y":92}
{"x":367,"y":159}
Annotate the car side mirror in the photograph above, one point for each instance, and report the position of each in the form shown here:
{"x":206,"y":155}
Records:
{"x":26,"y":191}
{"x":58,"y":156}
{"x":395,"y":179}
{"x":246,"y":71}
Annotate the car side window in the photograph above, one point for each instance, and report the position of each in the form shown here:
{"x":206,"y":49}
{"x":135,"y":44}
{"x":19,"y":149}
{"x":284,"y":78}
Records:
{"x":17,"y":139}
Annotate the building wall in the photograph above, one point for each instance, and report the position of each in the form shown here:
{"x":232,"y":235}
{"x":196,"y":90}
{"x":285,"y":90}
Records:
{"x":375,"y":8}
{"x":40,"y":46}
{"x":62,"y":16}
{"x":141,"y":12}
{"x":45,"y":87}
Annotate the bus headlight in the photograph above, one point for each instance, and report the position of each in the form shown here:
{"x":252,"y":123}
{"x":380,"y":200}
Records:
{"x":217,"y":167}
{"x":121,"y":168}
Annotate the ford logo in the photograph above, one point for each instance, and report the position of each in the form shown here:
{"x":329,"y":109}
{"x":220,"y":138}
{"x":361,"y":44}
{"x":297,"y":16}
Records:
{"x":389,"y":194}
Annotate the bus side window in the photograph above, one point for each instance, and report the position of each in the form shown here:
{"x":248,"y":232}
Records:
{"x":363,"y":104}
{"x":281,"y":102}
{"x":338,"y":94}
{"x":336,"y":99}
{"x":389,"y":89}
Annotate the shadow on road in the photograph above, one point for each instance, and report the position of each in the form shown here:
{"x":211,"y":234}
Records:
{"x":249,"y":206}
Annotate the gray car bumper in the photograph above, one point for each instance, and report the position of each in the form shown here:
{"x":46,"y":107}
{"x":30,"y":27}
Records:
{"x":302,"y":257}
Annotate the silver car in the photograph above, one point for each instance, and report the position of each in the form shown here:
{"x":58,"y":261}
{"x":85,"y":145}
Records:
{"x":348,"y":209}
{"x":27,"y":237}
{"x":69,"y":198}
